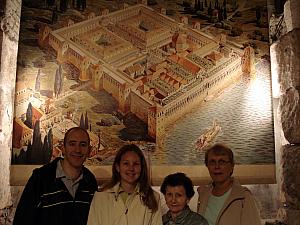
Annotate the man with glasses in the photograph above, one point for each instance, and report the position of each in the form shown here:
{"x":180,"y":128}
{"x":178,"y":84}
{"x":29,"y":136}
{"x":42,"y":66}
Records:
{"x":225,"y":201}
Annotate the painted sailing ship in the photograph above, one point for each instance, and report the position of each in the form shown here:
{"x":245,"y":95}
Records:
{"x":205,"y":139}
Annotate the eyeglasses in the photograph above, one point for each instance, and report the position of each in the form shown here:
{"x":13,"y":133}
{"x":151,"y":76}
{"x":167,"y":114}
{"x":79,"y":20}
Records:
{"x":221,"y":162}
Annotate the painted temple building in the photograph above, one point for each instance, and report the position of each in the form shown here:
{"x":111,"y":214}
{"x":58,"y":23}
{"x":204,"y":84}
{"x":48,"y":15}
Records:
{"x":154,"y":66}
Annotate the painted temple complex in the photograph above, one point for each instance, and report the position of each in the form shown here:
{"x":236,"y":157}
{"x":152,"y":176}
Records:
{"x":154,"y":66}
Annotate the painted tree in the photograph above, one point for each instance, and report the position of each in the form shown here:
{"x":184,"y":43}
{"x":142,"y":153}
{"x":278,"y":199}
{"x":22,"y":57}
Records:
{"x":21,"y":158}
{"x":45,"y":158}
{"x":220,"y":14}
{"x":86,"y":121}
{"x":61,"y":79}
{"x":196,"y":5}
{"x":209,"y":10}
{"x":38,"y":81}
{"x":99,"y":140}
{"x":50,"y":141}
{"x":78,"y":4}
{"x":82,"y":122}
{"x":47,"y":106}
{"x":63,"y":5}
{"x":37,"y":153}
{"x":216,"y":6}
{"x":14,"y":159}
{"x":54,"y":16}
{"x":258,"y":15}
{"x":29,"y":153}
{"x":48,"y":146}
{"x":50,"y":3}
{"x":234,"y":4}
{"x":225,"y":10}
{"x":279,"y":6}
{"x":28,"y":117}
{"x":201,"y":7}
{"x":83,"y":4}
{"x":58,"y":82}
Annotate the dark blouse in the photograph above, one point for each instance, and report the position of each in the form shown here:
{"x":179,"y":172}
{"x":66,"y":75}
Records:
{"x":186,"y":217}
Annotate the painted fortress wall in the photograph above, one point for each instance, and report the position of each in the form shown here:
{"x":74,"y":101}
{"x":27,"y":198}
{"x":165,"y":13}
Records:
{"x":195,"y":96}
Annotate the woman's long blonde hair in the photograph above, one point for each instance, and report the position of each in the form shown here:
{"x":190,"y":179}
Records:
{"x":147,"y":193}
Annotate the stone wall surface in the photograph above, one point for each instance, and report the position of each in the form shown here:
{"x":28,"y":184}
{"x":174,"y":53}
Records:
{"x":9,"y":46}
{"x":10,"y":23}
{"x":7,"y":214}
{"x":289,"y":213}
{"x":288,"y":58}
{"x":290,"y":114}
{"x":288,"y":55}
{"x":291,"y":179}
{"x":292,"y":14}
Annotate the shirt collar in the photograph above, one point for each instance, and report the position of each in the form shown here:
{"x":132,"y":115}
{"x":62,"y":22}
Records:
{"x":179,"y":219}
{"x":117,"y":190}
{"x":60,"y":173}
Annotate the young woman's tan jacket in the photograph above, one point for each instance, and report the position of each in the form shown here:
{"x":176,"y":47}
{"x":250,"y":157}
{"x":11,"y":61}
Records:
{"x":239,"y":209}
{"x":108,"y":208}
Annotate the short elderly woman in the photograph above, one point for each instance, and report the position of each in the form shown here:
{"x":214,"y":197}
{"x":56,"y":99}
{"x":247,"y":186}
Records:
{"x":178,"y":190}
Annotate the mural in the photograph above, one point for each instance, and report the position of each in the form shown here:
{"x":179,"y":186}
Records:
{"x":171,"y":76}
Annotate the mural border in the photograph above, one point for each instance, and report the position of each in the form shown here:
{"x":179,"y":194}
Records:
{"x":246,"y":174}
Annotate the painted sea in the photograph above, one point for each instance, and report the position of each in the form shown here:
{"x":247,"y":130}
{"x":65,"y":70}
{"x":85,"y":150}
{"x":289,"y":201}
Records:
{"x":244,"y":112}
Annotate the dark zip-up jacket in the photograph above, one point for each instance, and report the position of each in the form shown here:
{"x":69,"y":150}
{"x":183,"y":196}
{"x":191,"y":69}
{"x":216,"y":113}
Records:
{"x":47,"y":201}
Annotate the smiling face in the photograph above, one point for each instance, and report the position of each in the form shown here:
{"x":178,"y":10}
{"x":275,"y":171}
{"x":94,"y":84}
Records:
{"x":130,"y":170}
{"x":220,"y":167}
{"x":76,"y":149}
{"x":176,"y":199}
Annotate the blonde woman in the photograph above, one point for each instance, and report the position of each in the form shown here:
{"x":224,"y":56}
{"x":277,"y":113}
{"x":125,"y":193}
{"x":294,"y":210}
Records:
{"x":128,"y":198}
{"x":225,"y":201}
